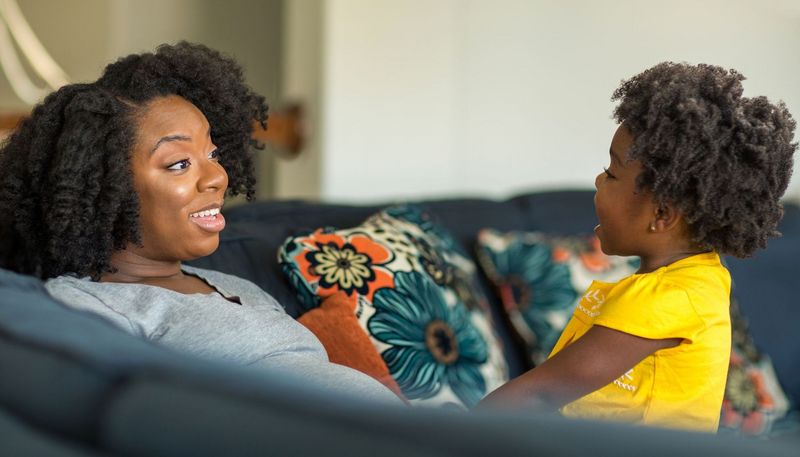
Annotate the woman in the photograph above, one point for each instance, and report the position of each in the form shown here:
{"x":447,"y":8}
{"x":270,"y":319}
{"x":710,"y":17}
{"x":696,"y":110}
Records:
{"x":109,"y":186}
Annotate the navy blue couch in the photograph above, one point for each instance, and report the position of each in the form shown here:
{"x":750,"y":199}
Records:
{"x":73,"y":385}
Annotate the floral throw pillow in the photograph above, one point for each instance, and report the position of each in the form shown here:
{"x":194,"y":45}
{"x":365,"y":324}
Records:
{"x":414,"y":292}
{"x":753,"y":398}
{"x":540,"y":278}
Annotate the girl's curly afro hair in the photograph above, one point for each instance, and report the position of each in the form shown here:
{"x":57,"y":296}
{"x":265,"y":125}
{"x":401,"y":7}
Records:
{"x":724,"y":160}
{"x":66,"y":189}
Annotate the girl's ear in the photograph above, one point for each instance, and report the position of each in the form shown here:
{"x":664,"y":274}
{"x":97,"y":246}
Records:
{"x":665,"y":218}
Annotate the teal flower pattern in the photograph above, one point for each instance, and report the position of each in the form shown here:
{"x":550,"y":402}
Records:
{"x":537,"y":286}
{"x":431,"y":343}
{"x":418,"y":216}
{"x":305,"y":295}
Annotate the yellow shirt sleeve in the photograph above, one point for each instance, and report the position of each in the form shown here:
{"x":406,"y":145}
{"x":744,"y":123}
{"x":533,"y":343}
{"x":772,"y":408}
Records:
{"x":650,"y":307}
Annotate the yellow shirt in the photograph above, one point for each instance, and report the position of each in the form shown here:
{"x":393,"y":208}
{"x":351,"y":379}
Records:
{"x":679,"y":387}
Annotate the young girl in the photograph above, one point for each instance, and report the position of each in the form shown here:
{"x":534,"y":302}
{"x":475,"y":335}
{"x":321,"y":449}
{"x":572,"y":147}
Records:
{"x":696,"y":170}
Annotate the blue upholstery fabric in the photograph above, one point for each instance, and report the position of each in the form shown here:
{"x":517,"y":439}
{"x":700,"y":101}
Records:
{"x":766,"y":287}
{"x":567,"y":212}
{"x":18,"y":439}
{"x":46,"y":342}
{"x":171,"y":417}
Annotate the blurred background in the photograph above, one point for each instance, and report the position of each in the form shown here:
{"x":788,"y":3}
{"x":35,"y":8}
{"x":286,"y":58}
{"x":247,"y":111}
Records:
{"x":389,"y":99}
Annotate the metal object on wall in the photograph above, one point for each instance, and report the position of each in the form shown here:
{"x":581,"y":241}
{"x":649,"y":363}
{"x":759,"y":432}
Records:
{"x":44,"y":67}
{"x":285,"y":131}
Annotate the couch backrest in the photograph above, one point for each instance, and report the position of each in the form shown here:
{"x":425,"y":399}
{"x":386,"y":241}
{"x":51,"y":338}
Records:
{"x":763,"y":284}
{"x":255,"y":232}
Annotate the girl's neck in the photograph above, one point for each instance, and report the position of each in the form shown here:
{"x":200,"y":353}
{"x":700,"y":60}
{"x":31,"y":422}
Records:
{"x":131,"y":267}
{"x":652,"y":263}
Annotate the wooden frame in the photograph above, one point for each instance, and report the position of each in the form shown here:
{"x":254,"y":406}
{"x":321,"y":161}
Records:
{"x":285,"y":130}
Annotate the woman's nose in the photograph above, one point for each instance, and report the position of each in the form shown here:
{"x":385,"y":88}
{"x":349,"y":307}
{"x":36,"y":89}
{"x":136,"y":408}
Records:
{"x":597,"y":180}
{"x":213,"y":177}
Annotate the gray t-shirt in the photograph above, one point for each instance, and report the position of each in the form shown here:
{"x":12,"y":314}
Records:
{"x":255,"y":331}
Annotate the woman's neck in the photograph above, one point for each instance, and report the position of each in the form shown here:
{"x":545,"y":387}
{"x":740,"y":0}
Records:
{"x":132,"y":267}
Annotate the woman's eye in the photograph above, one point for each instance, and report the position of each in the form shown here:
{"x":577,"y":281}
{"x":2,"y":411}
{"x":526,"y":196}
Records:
{"x":608,"y":173}
{"x":214,"y":155}
{"x":179,"y":165}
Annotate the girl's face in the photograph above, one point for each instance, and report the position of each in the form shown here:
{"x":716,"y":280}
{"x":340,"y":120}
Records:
{"x":624,"y":213}
{"x":179,"y":180}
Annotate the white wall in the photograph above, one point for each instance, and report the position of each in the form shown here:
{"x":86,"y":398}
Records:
{"x":454,"y":97}
{"x":83,"y":36}
{"x":301,"y":81}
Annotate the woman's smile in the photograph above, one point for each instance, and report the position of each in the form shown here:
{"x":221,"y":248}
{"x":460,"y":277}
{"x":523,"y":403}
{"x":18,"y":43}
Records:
{"x":210,"y":219}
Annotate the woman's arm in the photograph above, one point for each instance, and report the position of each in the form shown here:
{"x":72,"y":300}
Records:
{"x":597,"y":358}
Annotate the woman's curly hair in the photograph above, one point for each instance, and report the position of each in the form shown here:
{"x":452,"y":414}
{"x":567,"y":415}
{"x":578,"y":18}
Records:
{"x":724,"y":160}
{"x":66,"y":188}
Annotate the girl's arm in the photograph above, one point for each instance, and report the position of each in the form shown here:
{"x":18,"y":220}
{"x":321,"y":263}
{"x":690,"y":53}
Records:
{"x":597,"y":358}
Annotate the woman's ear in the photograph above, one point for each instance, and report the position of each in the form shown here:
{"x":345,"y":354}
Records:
{"x":665,"y":218}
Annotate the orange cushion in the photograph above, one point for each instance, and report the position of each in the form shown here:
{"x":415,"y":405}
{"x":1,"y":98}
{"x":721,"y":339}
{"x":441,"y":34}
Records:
{"x":335,"y":324}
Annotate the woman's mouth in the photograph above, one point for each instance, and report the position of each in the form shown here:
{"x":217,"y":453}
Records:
{"x":210,"y":220}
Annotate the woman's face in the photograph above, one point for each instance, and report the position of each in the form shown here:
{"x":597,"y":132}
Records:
{"x":179,"y":180}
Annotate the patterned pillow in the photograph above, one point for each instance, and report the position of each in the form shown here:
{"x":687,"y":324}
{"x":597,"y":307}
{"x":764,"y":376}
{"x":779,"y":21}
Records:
{"x":336,"y":327}
{"x":540,"y":278}
{"x":414,"y":292}
{"x":753,"y":398}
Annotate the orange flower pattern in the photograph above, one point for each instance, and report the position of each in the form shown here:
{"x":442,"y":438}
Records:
{"x":353,"y":263}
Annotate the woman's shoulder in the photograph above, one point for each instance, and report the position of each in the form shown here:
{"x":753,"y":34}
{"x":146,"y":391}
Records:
{"x":96,"y":297}
{"x":66,"y":283}
{"x":73,"y":289}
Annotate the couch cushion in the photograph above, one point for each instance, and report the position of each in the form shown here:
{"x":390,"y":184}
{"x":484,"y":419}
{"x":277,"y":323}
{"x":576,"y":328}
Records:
{"x":334,"y":322}
{"x":19,"y":439}
{"x":540,"y":278}
{"x":413,"y":290}
{"x":44,"y":341}
{"x":181,"y":417}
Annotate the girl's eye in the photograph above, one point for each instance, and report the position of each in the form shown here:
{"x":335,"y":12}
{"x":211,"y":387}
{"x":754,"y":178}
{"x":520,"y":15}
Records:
{"x":179,"y":165}
{"x":214,"y":155}
{"x":608,"y":173}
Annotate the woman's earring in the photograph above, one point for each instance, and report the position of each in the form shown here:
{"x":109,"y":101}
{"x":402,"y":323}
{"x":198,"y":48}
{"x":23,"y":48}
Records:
{"x":652,"y":227}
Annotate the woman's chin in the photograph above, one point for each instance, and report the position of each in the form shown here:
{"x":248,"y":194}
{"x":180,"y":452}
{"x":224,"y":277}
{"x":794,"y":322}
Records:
{"x":206,"y":248}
